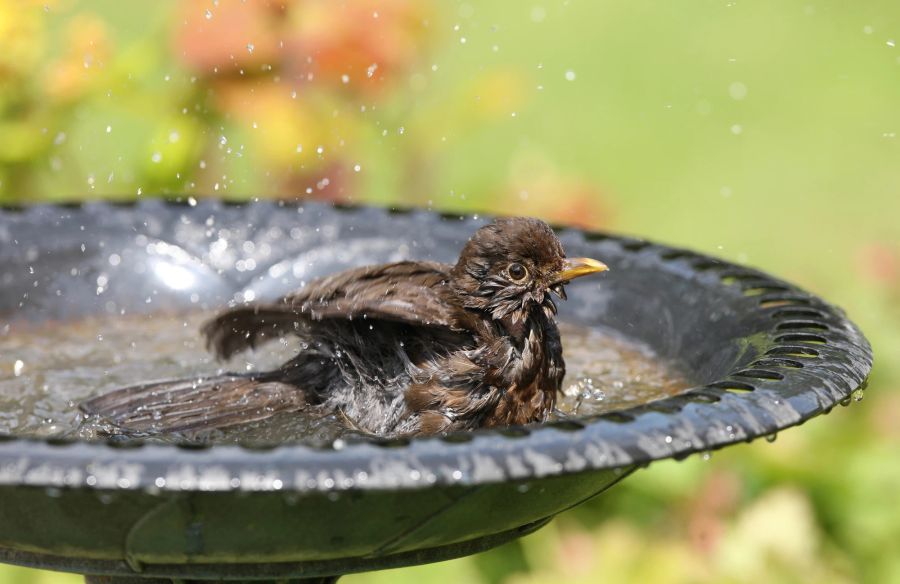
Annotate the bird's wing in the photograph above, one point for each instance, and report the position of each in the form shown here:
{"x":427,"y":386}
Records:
{"x":415,"y":293}
{"x":410,"y":292}
{"x":195,"y":404}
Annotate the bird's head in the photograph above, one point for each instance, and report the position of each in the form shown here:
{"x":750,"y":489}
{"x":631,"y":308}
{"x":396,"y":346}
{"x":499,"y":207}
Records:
{"x":509,"y":267}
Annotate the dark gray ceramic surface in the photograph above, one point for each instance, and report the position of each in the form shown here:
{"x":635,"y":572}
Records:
{"x":763,"y":356}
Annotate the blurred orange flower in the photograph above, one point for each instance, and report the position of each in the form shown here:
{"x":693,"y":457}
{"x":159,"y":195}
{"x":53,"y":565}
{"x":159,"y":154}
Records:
{"x":230,"y":35}
{"x":361,"y":45}
{"x":353,"y":46}
{"x":293,"y":75}
{"x":88,"y":49}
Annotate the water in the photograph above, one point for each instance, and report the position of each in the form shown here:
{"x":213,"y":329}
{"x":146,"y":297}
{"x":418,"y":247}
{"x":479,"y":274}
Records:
{"x":46,"y":369}
{"x":606,"y":372}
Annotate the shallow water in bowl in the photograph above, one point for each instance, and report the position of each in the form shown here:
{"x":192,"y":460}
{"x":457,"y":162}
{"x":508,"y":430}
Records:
{"x":46,"y":369}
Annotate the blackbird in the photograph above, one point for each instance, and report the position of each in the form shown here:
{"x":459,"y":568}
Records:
{"x":412,"y":347}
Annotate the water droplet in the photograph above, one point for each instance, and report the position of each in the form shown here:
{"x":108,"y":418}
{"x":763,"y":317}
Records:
{"x":771,"y":437}
{"x":357,"y":168}
{"x":570,"y":75}
{"x":250,"y":47}
{"x":18,"y":367}
{"x":156,"y":158}
{"x":737,"y":91}
{"x":208,"y":14}
{"x":370,"y":72}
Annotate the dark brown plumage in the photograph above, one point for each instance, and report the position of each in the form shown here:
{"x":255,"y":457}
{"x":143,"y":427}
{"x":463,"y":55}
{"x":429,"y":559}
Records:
{"x":404,"y":348}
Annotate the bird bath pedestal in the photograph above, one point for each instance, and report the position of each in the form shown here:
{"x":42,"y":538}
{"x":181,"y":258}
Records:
{"x":762,"y":356}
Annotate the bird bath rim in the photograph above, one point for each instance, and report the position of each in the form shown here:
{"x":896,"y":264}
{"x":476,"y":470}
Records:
{"x":807,"y":358}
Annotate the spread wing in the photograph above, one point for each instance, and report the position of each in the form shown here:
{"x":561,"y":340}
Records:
{"x":411,"y":292}
{"x":415,"y":293}
{"x":183,"y":405}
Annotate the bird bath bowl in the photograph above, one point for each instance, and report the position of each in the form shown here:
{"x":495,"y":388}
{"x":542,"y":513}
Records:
{"x":760,"y":355}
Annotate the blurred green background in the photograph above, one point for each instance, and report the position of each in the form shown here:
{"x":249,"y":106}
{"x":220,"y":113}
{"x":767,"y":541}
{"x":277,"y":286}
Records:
{"x":764,"y":132}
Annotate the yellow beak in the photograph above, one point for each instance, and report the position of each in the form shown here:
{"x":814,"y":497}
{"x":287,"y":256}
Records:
{"x":577,"y":267}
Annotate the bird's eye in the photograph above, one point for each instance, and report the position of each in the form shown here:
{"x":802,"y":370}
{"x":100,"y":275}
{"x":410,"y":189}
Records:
{"x":517,"y":272}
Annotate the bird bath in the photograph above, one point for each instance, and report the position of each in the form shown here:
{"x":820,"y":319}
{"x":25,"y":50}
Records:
{"x":758,"y":355}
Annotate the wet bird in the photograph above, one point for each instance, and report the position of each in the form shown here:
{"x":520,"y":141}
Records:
{"x":412,"y":347}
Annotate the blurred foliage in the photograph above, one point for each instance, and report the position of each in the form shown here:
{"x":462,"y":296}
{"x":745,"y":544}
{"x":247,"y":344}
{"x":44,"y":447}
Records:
{"x":764,"y":132}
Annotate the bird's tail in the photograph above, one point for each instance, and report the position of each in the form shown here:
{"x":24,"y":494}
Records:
{"x":193,"y":404}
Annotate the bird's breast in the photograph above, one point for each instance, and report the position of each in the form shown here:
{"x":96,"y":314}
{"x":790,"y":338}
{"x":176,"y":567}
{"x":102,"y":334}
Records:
{"x":532,"y":376}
